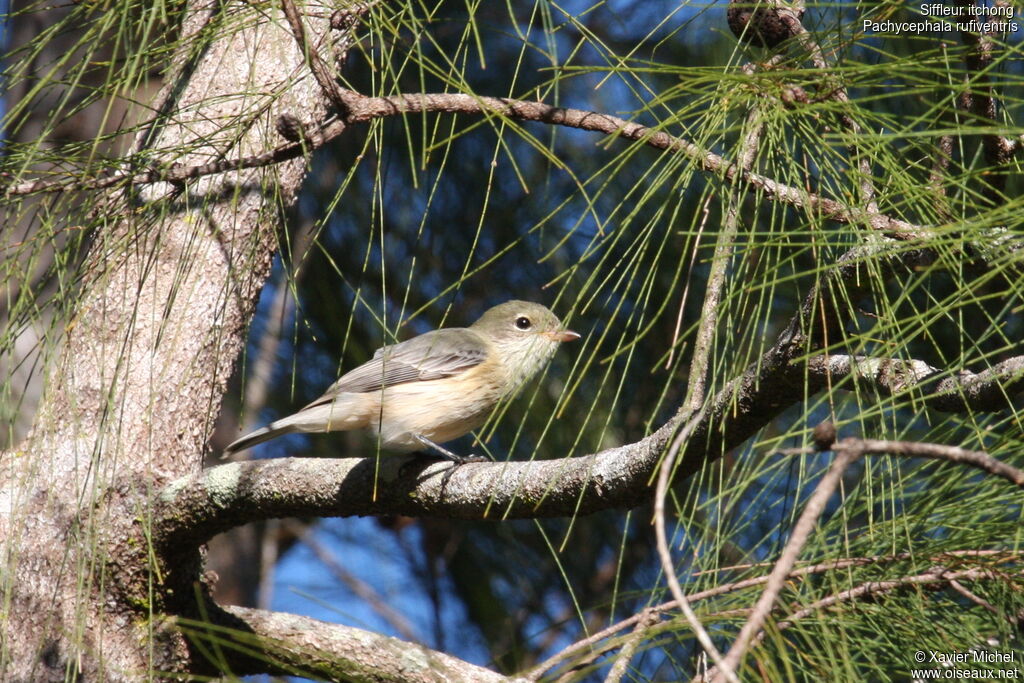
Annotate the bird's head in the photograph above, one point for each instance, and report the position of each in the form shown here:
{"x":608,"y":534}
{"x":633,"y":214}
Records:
{"x":525,"y":336}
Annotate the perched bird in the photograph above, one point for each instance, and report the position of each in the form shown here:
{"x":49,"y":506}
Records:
{"x":435,"y":387}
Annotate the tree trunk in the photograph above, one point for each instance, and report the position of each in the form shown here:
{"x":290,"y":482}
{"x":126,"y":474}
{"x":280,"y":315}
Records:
{"x":167,"y":292}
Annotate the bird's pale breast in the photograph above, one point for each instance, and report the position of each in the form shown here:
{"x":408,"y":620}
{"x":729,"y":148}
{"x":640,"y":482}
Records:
{"x":440,"y":410}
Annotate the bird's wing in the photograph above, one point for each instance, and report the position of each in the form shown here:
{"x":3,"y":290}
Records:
{"x":434,"y":355}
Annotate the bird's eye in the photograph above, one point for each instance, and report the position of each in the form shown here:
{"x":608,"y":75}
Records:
{"x":523,"y":323}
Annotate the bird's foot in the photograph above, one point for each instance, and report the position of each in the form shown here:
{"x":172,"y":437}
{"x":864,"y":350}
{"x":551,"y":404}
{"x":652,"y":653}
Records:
{"x":438,"y":451}
{"x":463,"y":459}
{"x":456,"y":464}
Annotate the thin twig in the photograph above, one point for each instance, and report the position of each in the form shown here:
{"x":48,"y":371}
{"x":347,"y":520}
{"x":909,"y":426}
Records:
{"x":838,"y":94}
{"x":665,"y":555}
{"x":845,"y":562}
{"x":321,"y":72}
{"x":719,"y":268}
{"x":698,"y":373}
{"x":977,"y":599}
{"x":978,"y":459}
{"x":647,"y":617}
{"x":801,"y":532}
{"x":913,"y":449}
{"x":938,"y":576}
{"x":705,"y":212}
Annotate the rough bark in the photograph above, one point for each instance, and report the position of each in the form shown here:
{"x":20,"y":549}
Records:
{"x":292,"y":644}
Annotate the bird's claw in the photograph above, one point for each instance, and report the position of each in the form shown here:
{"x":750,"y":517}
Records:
{"x":456,"y":464}
{"x":463,"y":459}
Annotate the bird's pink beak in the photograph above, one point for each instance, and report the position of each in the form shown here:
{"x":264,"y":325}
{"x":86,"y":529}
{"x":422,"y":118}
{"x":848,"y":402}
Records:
{"x":563,"y":336}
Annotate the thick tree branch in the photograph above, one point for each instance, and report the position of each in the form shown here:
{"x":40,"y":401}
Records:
{"x":195,"y":508}
{"x":989,"y":390}
{"x":250,"y":641}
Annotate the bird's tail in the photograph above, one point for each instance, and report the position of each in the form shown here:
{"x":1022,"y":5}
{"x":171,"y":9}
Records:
{"x":271,"y":431}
